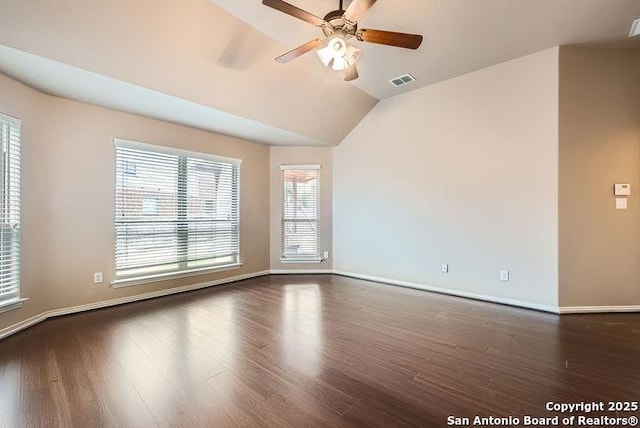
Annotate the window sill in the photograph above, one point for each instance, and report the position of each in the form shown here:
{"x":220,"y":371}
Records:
{"x":309,"y":260}
{"x":128,"y":282}
{"x":11,"y":304}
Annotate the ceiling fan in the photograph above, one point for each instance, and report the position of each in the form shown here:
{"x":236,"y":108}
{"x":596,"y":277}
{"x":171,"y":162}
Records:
{"x":338,"y":27}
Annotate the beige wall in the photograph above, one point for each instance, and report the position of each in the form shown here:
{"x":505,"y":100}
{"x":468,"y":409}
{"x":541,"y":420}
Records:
{"x":462,"y":172}
{"x":68,"y":183}
{"x":599,"y":252}
{"x":300,"y":156}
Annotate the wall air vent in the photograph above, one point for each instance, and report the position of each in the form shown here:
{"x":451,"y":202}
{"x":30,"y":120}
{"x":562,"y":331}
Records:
{"x":402,"y":80}
{"x":635,"y":28}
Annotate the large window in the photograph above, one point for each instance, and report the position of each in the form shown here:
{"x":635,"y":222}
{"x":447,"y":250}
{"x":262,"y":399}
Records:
{"x":300,"y":239}
{"x":9,"y":212}
{"x":175,"y":211}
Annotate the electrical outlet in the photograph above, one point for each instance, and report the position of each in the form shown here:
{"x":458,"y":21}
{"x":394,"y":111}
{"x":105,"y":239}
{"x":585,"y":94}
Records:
{"x":504,"y":275}
{"x":97,"y":277}
{"x":445,"y":268}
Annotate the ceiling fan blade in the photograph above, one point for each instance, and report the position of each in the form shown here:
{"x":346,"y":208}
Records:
{"x":300,"y":50}
{"x":351,"y":73}
{"x":357,"y":9}
{"x":294,"y":11}
{"x":401,"y":40}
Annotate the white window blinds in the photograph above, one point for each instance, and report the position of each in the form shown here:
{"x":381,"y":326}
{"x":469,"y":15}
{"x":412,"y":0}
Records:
{"x":300,"y":239}
{"x":174,"y":210}
{"x":9,"y":211}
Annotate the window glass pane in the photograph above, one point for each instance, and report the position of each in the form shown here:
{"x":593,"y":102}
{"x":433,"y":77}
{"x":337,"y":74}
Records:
{"x":300,"y":213}
{"x":174,"y":212}
{"x":212,"y":211}
{"x":9,"y":210}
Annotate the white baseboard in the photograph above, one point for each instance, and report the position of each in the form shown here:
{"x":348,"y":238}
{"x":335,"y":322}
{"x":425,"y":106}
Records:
{"x":12,"y":329}
{"x":458,"y":293}
{"x":129,"y":299}
{"x":597,"y":309}
{"x":300,"y":271}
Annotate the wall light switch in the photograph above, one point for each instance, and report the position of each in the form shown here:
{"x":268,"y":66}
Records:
{"x":504,"y":275}
{"x":97,"y":277}
{"x":445,"y":268}
{"x":621,"y":203}
{"x":326,"y":255}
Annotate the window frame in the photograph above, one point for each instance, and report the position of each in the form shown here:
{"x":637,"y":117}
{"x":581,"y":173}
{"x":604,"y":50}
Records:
{"x":13,"y":191}
{"x":184,"y":269}
{"x":284,"y":258}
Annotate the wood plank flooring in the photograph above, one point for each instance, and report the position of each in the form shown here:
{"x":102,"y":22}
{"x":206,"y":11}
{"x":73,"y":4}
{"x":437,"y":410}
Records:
{"x":317,"y":350}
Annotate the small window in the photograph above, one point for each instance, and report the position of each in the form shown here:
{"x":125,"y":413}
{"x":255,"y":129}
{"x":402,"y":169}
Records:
{"x":300,"y":234}
{"x":179,"y":212}
{"x":9,"y":211}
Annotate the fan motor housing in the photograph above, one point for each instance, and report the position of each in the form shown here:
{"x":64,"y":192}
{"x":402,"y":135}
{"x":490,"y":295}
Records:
{"x":334,"y":18}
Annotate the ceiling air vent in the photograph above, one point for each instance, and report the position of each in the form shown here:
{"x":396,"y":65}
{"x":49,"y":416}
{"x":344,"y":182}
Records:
{"x":402,"y":80}
{"x":635,"y":28}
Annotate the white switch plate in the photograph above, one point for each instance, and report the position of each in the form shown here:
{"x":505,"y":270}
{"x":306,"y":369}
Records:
{"x":97,"y":277}
{"x":445,"y":268}
{"x":326,"y":254}
{"x":621,"y":203}
{"x":504,"y":275}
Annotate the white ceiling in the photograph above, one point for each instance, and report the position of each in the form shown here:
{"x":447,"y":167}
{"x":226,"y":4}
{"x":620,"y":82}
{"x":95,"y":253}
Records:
{"x":189,"y":50}
{"x":460,"y":36}
{"x":209,"y":63}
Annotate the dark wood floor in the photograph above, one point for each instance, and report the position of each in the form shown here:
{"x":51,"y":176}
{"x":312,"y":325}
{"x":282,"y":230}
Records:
{"x":311,"y":351}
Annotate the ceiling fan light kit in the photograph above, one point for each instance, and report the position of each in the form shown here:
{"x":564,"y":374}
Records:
{"x":338,"y":27}
{"x":337,"y":54}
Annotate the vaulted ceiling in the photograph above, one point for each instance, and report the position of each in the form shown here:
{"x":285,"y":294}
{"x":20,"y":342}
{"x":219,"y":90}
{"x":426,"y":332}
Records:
{"x":209,"y":63}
